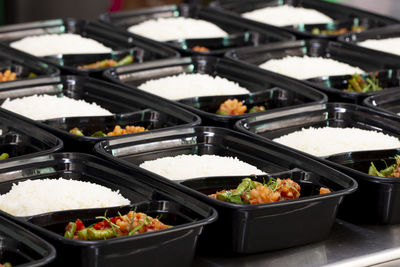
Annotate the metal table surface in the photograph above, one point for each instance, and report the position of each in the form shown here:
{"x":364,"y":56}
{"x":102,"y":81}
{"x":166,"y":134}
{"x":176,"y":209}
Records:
{"x":347,"y":245}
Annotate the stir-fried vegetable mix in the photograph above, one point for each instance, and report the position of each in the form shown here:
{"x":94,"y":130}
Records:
{"x":354,"y":28}
{"x":253,"y":192}
{"x":117,"y":131}
{"x":7,"y":264}
{"x":132,"y":223}
{"x":108,"y":63}
{"x":390,"y":171}
{"x":363,"y":85}
{"x":235,"y":107}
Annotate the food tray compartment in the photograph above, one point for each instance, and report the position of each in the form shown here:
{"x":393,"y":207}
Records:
{"x":387,"y":102}
{"x":270,"y":89}
{"x":341,"y":14}
{"x":366,"y":60}
{"x":240,"y":34}
{"x":240,"y":222}
{"x":388,"y":79}
{"x":140,"y":49}
{"x":335,"y":115}
{"x":20,"y":140}
{"x":392,"y":31}
{"x":25,"y":66}
{"x":146,"y":195}
{"x":129,"y":106}
{"x":21,"y":247}
{"x":377,"y":198}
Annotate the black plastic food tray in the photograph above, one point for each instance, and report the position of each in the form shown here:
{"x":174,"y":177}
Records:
{"x":243,"y":228}
{"x":272,"y":91}
{"x":20,"y":139}
{"x":24,"y":65}
{"x":187,"y":215}
{"x":141,"y":49}
{"x":378,"y":199}
{"x":354,"y":208}
{"x":21,"y":247}
{"x":343,"y":15}
{"x":387,"y":102}
{"x":366,"y":60}
{"x":240,"y":34}
{"x":129,"y":107}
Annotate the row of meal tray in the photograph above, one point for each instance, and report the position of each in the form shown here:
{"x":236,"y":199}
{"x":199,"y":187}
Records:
{"x":34,"y":146}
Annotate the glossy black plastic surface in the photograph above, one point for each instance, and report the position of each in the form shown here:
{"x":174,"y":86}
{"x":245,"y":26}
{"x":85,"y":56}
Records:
{"x":240,"y":34}
{"x":24,"y":66}
{"x":129,"y":107}
{"x":387,"y":102}
{"x":388,"y":79}
{"x":341,"y":14}
{"x":362,"y":58}
{"x":20,"y":139}
{"x":382,"y":201}
{"x":377,"y":199}
{"x":21,"y":247}
{"x":270,"y":90}
{"x":242,"y":228}
{"x":141,"y":49}
{"x":184,"y":213}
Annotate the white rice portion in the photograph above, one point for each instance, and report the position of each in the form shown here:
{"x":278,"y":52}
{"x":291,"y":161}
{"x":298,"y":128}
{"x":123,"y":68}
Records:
{"x":54,"y":44}
{"x":191,"y":85}
{"x":287,"y":15}
{"x":309,"y":67}
{"x":184,"y":167}
{"x":389,"y":45}
{"x":32,"y":197}
{"x":167,"y":29}
{"x":327,"y":141}
{"x":44,"y":107}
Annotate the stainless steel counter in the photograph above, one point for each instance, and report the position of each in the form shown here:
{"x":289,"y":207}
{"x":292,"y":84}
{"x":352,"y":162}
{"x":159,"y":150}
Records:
{"x":347,"y":245}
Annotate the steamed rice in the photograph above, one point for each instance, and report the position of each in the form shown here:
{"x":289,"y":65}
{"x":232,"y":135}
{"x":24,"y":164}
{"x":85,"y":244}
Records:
{"x":191,"y":85}
{"x":389,"y":45}
{"x":44,"y":107}
{"x":32,"y":197}
{"x":166,"y":29}
{"x":309,"y":67}
{"x":54,"y":44}
{"x":327,"y":141}
{"x":287,"y":15}
{"x":191,"y":166}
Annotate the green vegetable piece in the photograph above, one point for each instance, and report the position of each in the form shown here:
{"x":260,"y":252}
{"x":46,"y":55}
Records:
{"x":224,"y":196}
{"x":315,"y":31}
{"x":125,"y":61}
{"x":220,"y":112}
{"x":70,"y":232}
{"x":237,"y":199}
{"x":76,"y":131}
{"x":257,"y":109}
{"x":387,"y":172}
{"x":245,"y":184}
{"x":4,"y":156}
{"x":32,"y":75}
{"x":7,"y":264}
{"x":82,"y":234}
{"x":98,"y":134}
{"x":373,"y":171}
{"x":93,"y":234}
